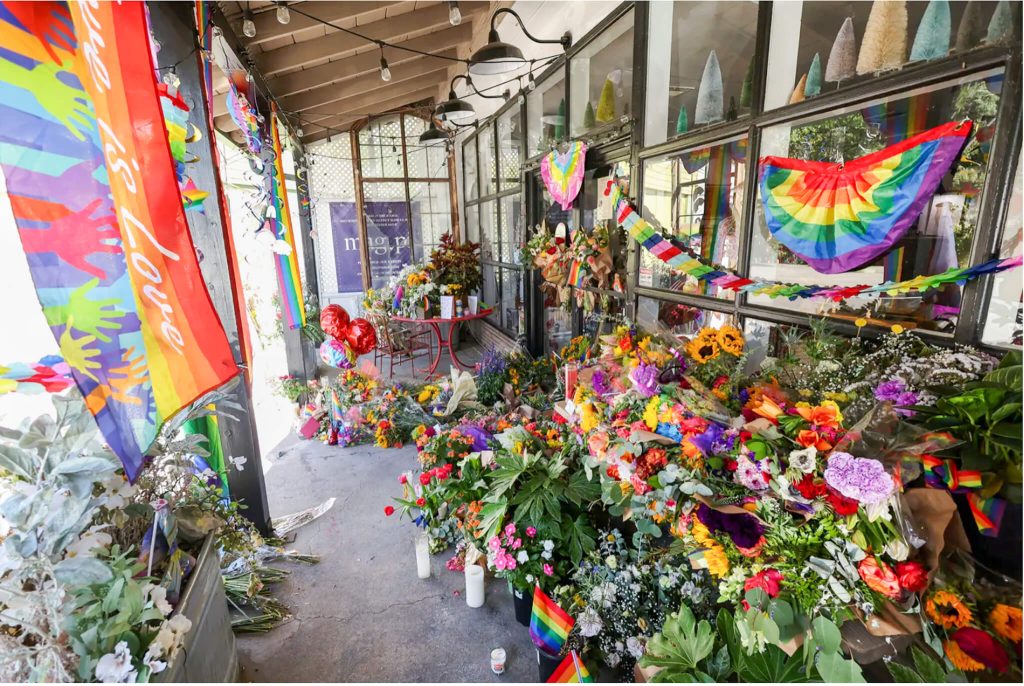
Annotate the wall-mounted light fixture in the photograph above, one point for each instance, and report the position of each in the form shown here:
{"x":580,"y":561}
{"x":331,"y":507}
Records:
{"x":497,"y":57}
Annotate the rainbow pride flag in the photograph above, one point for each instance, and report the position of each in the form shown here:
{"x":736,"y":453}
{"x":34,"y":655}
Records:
{"x":92,"y":186}
{"x":549,"y":624}
{"x":838,"y":217}
{"x":988,"y":513}
{"x":571,"y":671}
{"x":288,"y":279}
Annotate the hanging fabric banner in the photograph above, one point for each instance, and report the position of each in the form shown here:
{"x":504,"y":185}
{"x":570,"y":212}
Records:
{"x":92,"y":186}
{"x":681,"y":258}
{"x":838,"y":217}
{"x":288,"y":277}
{"x":563,"y":173}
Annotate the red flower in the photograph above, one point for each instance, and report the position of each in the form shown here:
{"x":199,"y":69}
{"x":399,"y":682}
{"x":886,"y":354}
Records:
{"x":912,"y":575}
{"x":420,"y":502}
{"x":430,"y":432}
{"x":403,"y":479}
{"x":729,"y":464}
{"x":982,"y":647}
{"x":811,"y":488}
{"x":670,"y":503}
{"x":425,"y":478}
{"x":720,"y":381}
{"x":558,"y":418}
{"x":613,"y":471}
{"x":388,"y":511}
{"x":767,"y":580}
{"x":841,"y":504}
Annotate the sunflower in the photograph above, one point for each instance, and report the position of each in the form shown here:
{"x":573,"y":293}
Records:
{"x":960,"y":659}
{"x":1006,"y":621}
{"x":947,"y":610}
{"x":704,"y":346}
{"x":731,"y":339}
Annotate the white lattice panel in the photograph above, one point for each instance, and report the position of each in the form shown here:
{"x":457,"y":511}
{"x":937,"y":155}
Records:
{"x":330,"y":180}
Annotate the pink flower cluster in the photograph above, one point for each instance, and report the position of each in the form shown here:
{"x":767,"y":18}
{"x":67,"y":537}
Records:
{"x":502,"y":545}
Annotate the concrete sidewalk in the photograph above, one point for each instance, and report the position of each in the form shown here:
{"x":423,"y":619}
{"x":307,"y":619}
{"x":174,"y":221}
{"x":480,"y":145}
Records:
{"x":361,"y":614}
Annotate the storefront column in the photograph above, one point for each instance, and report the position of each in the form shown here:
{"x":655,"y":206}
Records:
{"x":174,"y":27}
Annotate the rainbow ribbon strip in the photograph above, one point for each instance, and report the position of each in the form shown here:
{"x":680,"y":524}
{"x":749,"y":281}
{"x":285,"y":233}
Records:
{"x":549,"y":624}
{"x":988,"y":513}
{"x":838,"y":217}
{"x":571,"y":671}
{"x":288,"y":278}
{"x":241,"y":113}
{"x":681,"y":258}
{"x":51,"y":374}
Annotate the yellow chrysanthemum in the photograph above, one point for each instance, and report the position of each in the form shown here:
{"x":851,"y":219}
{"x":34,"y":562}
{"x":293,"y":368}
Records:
{"x":651,"y":413}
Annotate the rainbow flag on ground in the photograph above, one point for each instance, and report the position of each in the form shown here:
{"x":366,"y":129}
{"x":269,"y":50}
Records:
{"x":571,"y":671}
{"x":549,"y":624}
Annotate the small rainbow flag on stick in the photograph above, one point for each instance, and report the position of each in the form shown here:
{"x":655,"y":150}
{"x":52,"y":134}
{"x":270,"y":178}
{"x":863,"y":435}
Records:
{"x":549,"y":624}
{"x":571,"y":671}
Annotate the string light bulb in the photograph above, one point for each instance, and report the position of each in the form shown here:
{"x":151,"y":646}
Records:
{"x":454,"y":14}
{"x":248,"y":25}
{"x":284,"y":15}
{"x":385,"y":71}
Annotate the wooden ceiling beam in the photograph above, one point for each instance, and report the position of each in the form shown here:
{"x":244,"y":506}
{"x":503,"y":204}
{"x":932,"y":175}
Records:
{"x":346,"y":14}
{"x":341,"y":44}
{"x":367,"y":62}
{"x":325,"y":120}
{"x":413,"y":75}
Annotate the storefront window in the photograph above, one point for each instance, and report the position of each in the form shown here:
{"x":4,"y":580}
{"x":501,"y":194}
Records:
{"x":490,"y":292}
{"x":430,"y":204}
{"x":510,"y":135}
{"x":700,"y":65}
{"x":676,"y":318}
{"x":511,"y":281}
{"x":939,"y":240}
{"x":696,"y":197}
{"x":511,"y":226}
{"x":425,"y":161}
{"x":469,"y":170}
{"x":380,"y":149}
{"x":490,"y":248}
{"x":814,"y":49}
{"x":601,"y":78}
{"x":545,"y":113}
{"x":1005,"y":319}
{"x":471,"y":219}
{"x":488,"y":165}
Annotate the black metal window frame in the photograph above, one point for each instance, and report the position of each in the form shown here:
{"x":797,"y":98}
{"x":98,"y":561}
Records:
{"x":1003,"y":160}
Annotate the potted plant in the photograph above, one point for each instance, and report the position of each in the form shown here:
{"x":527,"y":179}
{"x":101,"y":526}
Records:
{"x":456,"y":266}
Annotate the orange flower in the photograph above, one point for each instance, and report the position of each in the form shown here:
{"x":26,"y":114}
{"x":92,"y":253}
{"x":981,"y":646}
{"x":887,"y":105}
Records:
{"x":598,"y":443}
{"x":947,"y":610}
{"x":879,"y":577}
{"x":1006,"y":621}
{"x":807,"y":438}
{"x":960,"y":659}
{"x":826,"y":414}
{"x":767,"y":408}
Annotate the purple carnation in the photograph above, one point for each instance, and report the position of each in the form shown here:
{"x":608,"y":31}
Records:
{"x":890,"y":391}
{"x":708,"y":441}
{"x":600,"y":383}
{"x":744,"y":529}
{"x":863,"y":479}
{"x":905,"y":400}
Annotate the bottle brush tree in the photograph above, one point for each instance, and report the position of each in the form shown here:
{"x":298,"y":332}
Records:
{"x":813,"y":85}
{"x":885,"y":37}
{"x":606,"y":104}
{"x":842,"y":58}
{"x":710,"y":104}
{"x":972,"y":26}
{"x":932,"y":39}
{"x":588,"y":116}
{"x":798,"y":93}
{"x":682,"y":121}
{"x":1000,"y":28}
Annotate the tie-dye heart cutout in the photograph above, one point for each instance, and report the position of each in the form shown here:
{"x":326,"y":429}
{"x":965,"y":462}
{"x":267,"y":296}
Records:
{"x":563,"y":173}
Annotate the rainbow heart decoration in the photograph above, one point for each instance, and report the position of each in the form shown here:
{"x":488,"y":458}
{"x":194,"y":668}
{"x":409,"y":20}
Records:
{"x":563,"y":173}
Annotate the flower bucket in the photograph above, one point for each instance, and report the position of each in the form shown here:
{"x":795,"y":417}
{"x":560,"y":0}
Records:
{"x":523,"y":603}
{"x":208,"y":653}
{"x":546,"y":665}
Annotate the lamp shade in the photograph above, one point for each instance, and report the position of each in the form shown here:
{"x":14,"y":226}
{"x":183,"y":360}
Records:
{"x":454,"y":109}
{"x":496,"y":57}
{"x":433,"y":135}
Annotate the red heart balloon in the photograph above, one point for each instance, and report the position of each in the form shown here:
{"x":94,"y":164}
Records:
{"x":334,"y":320}
{"x":361,"y":336}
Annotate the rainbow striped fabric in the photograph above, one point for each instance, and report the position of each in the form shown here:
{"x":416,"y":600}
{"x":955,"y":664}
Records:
{"x":988,"y":513}
{"x":288,"y":279}
{"x":549,"y":624}
{"x":571,"y":671}
{"x":838,"y":217}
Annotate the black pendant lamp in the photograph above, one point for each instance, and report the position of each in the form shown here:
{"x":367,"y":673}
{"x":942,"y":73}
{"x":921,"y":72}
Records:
{"x":498,"y":57}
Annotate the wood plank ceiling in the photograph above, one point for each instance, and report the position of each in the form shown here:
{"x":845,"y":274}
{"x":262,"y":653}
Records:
{"x":327,"y":80}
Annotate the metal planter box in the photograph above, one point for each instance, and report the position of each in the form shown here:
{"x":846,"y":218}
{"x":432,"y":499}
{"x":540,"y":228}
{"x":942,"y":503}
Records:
{"x":208,"y":654}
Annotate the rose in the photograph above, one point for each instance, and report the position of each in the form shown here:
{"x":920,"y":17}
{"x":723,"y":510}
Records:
{"x":912,"y":576}
{"x":811,"y":488}
{"x":531,"y":532}
{"x":982,"y":647}
{"x":388,"y":511}
{"x":841,"y":504}
{"x":879,"y":577}
{"x":811,"y":439}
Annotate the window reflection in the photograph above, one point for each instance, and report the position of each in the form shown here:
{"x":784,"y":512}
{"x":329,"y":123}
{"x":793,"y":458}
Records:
{"x":661,"y":316}
{"x":601,"y":78}
{"x":1004,"y":323}
{"x":545,"y":113}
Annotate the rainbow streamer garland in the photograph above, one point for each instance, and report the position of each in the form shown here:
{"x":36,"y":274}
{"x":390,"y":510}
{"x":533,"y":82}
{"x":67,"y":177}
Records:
{"x":288,"y":277}
{"x":680,"y":258}
{"x":839,"y":217}
{"x":549,"y":624}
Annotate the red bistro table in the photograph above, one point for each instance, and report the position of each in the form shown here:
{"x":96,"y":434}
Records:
{"x":435,"y":324}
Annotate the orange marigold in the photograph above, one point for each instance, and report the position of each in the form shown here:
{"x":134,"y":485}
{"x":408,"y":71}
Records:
{"x":947,"y":610}
{"x":960,"y":659}
{"x":1006,"y":621}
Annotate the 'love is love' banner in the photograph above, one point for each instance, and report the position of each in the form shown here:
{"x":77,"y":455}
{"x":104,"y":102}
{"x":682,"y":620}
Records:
{"x":91,"y":182}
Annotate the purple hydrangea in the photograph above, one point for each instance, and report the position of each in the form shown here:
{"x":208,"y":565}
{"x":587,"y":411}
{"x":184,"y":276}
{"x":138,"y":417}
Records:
{"x":890,"y":391}
{"x":863,"y":479}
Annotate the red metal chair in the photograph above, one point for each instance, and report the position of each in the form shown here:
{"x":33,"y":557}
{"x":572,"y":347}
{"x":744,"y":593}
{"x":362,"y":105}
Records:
{"x":398,"y":344}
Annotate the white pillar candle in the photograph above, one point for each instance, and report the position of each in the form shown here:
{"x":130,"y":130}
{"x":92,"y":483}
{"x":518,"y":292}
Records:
{"x":474,"y":585}
{"x":422,"y":557}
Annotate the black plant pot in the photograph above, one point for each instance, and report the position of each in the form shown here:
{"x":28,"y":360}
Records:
{"x":1002,"y":552}
{"x":523,"y":603}
{"x":546,"y":665}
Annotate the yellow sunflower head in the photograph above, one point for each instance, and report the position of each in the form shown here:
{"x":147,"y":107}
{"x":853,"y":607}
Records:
{"x":731,"y":339}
